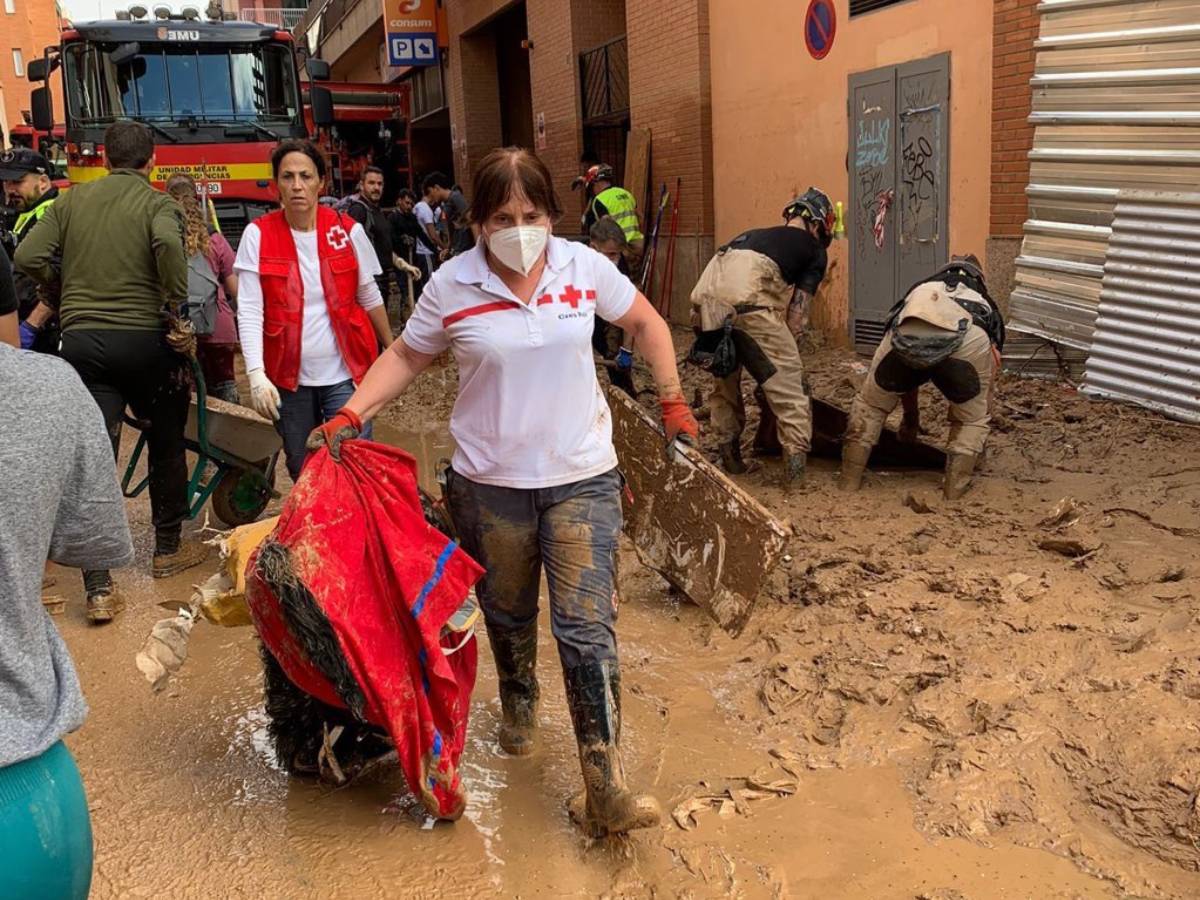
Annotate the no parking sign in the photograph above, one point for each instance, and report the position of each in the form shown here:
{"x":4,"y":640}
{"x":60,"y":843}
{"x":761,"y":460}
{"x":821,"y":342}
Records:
{"x":820,"y":25}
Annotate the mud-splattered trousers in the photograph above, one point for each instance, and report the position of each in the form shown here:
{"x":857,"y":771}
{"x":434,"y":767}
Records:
{"x":573,"y":531}
{"x":964,"y":378}
{"x":751,"y":287}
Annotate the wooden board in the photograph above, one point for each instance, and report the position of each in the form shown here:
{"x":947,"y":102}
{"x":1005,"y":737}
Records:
{"x":691,"y":524}
{"x":637,"y":170}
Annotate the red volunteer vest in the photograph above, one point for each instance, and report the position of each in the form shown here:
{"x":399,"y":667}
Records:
{"x":283,"y":297}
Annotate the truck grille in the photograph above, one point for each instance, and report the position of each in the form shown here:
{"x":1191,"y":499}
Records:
{"x":234,"y":215}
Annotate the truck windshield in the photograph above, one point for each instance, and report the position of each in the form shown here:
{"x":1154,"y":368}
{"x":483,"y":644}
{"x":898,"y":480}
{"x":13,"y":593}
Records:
{"x":205,"y":83}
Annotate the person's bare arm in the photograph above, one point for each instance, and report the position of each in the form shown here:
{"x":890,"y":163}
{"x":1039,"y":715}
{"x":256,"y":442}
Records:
{"x":652,"y":336}
{"x":230,"y":283}
{"x":9,"y":332}
{"x":379,"y":321}
{"x":39,"y":316}
{"x":797,"y":313}
{"x":431,"y":230}
{"x":387,"y":379}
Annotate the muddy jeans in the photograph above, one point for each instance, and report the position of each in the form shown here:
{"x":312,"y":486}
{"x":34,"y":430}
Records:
{"x":572,"y":530}
{"x":782,"y":380}
{"x":964,"y":378}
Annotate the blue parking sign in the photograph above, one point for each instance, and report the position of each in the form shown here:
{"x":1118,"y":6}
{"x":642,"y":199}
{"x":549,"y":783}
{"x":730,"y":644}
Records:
{"x":412,"y":48}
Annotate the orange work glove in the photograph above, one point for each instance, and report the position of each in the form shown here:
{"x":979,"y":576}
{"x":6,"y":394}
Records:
{"x":678,"y":420}
{"x":344,"y":426}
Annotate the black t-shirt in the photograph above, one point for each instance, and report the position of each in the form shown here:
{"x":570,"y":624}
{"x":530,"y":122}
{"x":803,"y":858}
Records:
{"x":800,"y":257}
{"x":8,"y":293}
{"x":375,"y":223}
{"x":406,"y":230}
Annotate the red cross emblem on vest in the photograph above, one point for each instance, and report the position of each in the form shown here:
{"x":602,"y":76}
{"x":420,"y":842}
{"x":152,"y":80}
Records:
{"x":337,"y":237}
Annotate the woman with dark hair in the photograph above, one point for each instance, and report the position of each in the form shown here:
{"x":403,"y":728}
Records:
{"x":215,"y":350}
{"x":310,"y":315}
{"x":534,"y":480}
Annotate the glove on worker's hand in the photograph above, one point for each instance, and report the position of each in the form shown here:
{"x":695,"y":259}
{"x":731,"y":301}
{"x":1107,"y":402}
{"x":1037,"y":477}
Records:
{"x":344,"y":426}
{"x":264,"y":397}
{"x":678,"y":420}
{"x":181,"y":336}
{"x":910,"y":431}
{"x":28,"y":335}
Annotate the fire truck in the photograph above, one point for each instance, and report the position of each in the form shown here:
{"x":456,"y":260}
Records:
{"x":217,"y":95}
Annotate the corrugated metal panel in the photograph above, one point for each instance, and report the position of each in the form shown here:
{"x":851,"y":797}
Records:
{"x":1146,"y":347}
{"x":1116,"y":105}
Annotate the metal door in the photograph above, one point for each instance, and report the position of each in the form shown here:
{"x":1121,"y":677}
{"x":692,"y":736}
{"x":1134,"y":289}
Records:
{"x":872,"y":193}
{"x":900,"y":140}
{"x":923,"y":142}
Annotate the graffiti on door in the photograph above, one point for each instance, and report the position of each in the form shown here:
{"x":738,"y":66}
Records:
{"x":920,"y":136}
{"x":872,"y":159}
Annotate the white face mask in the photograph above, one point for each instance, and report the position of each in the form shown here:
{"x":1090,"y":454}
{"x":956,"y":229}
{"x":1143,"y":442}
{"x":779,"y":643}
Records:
{"x":520,"y":247}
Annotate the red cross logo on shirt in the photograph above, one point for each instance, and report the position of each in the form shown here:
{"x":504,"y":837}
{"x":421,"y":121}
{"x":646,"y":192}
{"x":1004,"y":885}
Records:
{"x":571,"y":295}
{"x":337,"y":237}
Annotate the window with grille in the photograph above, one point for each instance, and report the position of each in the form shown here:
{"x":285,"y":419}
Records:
{"x":858,"y":7}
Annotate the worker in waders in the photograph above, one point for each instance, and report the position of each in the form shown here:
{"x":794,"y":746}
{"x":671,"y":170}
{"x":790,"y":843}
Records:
{"x":612,"y":201}
{"x":534,"y":480}
{"x":758,"y":285}
{"x":948,"y":330}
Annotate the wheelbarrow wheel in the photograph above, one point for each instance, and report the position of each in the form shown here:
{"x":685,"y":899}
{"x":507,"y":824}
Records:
{"x":241,"y":496}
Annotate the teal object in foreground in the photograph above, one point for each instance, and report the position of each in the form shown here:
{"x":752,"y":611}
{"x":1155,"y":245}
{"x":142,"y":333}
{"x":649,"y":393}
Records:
{"x":45,"y":829}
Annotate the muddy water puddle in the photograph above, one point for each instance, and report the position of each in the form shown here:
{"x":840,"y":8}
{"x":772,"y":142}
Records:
{"x":188,"y":801}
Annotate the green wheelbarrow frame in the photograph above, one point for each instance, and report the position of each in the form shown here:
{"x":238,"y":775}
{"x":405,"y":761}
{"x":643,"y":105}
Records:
{"x":201,"y":490}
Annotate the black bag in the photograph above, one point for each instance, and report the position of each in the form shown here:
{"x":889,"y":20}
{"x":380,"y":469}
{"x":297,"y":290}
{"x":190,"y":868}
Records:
{"x":714,"y":351}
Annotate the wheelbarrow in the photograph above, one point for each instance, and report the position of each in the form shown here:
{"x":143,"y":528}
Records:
{"x":236,"y":450}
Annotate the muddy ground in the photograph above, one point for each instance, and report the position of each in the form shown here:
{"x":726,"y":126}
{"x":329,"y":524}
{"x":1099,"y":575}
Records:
{"x":926,"y":703}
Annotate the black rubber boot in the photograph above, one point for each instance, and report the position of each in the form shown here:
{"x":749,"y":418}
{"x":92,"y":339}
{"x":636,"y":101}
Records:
{"x":731,"y":457}
{"x":515,"y":652}
{"x":793,"y":470}
{"x":607,"y":806}
{"x":766,"y":438}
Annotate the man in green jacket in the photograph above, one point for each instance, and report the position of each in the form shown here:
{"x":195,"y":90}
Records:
{"x":114,"y":248}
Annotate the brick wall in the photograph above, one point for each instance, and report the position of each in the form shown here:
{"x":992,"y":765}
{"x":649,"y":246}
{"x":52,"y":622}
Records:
{"x":595,"y":21}
{"x":32,"y":27}
{"x":558,"y":30}
{"x":671,"y":94}
{"x":1015,"y":28}
{"x":554,"y":77}
{"x":670,"y":91}
{"x":472,"y":90}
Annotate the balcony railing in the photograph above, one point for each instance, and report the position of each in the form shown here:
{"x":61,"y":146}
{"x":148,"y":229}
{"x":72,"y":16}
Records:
{"x":287,"y":19}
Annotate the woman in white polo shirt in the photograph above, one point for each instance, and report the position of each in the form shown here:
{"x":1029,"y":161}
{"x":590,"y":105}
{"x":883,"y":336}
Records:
{"x":534,"y":480}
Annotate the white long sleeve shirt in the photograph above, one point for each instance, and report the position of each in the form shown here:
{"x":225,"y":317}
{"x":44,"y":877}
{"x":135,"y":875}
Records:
{"x":321,"y":361}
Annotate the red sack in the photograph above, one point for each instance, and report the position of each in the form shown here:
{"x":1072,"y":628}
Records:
{"x":353,"y":553}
